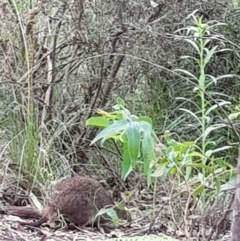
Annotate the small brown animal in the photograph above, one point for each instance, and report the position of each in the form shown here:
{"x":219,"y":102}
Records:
{"x":78,"y":199}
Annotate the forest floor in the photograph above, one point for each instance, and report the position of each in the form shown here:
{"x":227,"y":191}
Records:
{"x":10,"y":230}
{"x":142,"y":225}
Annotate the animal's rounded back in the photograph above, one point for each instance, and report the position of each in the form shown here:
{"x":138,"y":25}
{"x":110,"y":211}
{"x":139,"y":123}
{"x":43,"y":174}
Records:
{"x":79,"y":199}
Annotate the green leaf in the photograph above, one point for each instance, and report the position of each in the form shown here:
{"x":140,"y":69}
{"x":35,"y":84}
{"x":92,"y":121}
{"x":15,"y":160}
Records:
{"x":111,"y":213}
{"x":188,"y":169}
{"x":187,"y":73}
{"x":172,"y":171}
{"x":198,"y":191}
{"x":234,"y":116}
{"x":226,"y":76}
{"x":148,"y":153}
{"x":213,"y":107}
{"x":116,"y":127}
{"x":196,"y":154}
{"x":97,"y":121}
{"x":208,"y":153}
{"x":133,"y":142}
{"x":192,"y":114}
{"x":190,"y":57}
{"x":206,"y":41}
{"x":209,"y":54}
{"x":223,"y":148}
{"x":160,"y":171}
{"x":145,"y":118}
{"x":191,"y":29}
{"x":193,"y":44}
{"x":120,"y":101}
{"x":217,"y":184}
{"x":212,"y":128}
{"x":126,"y":163}
{"x":126,"y":114}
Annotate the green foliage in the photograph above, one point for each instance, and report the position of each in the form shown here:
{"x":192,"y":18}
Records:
{"x":234,"y":4}
{"x":23,"y":147}
{"x":201,"y":155}
{"x":111,"y":213}
{"x":184,"y":160}
{"x":135,"y":134}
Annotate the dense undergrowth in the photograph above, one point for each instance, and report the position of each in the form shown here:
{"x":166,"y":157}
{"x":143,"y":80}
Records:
{"x":61,"y":62}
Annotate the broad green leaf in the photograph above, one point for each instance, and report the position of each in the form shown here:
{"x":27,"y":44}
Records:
{"x":126,"y":163}
{"x":97,"y":121}
{"x":146,"y":127}
{"x":116,"y":127}
{"x":133,"y":142}
{"x":145,"y":118}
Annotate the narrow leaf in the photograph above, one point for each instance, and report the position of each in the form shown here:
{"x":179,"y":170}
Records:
{"x":192,"y":114}
{"x":198,"y":191}
{"x":187,"y":73}
{"x":209,"y":55}
{"x":194,"y":45}
{"x":216,"y":105}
